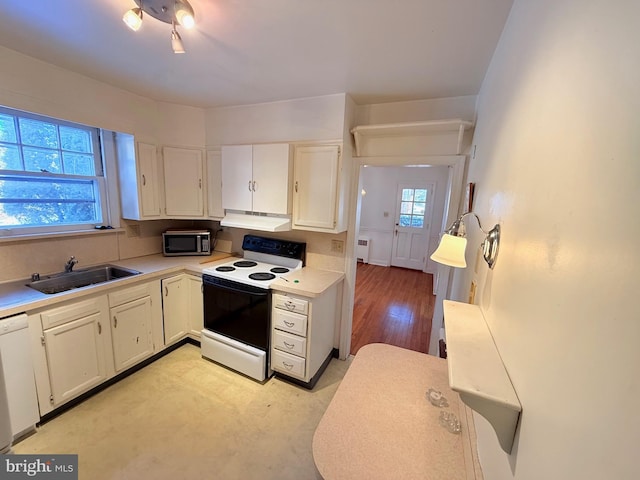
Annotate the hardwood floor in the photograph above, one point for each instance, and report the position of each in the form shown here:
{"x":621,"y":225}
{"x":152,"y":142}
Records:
{"x":394,"y":306}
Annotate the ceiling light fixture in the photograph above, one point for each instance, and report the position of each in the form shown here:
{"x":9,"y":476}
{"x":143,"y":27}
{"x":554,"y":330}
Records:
{"x":454,"y":243}
{"x":173,"y":12}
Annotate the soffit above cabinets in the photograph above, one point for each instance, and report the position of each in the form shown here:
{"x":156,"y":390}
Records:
{"x":449,"y":132}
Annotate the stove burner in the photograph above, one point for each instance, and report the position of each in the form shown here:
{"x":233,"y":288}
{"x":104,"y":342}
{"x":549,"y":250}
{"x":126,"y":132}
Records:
{"x":279,"y":270}
{"x":262,"y":276}
{"x":225,"y":268}
{"x":245,"y":264}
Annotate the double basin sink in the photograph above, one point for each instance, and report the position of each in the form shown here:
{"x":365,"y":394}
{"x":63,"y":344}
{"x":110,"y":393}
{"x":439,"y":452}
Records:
{"x":61,"y":282}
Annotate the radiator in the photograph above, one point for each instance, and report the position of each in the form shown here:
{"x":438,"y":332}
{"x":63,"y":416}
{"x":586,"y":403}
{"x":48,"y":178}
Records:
{"x":362,"y":252}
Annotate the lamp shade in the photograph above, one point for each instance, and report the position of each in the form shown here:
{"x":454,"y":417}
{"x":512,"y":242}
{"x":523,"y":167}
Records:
{"x":451,"y":251}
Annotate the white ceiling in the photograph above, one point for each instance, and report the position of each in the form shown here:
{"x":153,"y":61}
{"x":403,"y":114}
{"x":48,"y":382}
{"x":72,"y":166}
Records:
{"x":253,"y":51}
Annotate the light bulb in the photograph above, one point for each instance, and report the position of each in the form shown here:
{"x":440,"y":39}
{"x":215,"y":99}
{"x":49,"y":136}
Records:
{"x":133,"y":19}
{"x":184,"y":15}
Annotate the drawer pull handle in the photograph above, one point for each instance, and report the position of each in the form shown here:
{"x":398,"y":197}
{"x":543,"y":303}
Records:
{"x":289,"y":345}
{"x":290,"y":306}
{"x":288,"y":366}
{"x":289,"y":324}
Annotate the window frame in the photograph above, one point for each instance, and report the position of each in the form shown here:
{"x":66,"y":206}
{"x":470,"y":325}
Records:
{"x":99,"y":180}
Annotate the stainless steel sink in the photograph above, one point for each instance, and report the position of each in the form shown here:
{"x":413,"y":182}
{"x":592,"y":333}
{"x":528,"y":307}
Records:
{"x":61,"y":282}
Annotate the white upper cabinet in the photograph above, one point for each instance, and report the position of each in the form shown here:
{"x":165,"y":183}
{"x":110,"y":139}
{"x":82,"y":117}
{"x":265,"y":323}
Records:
{"x":139,"y":179}
{"x":214,"y":185}
{"x":257,"y":178}
{"x":318,"y":190}
{"x":183,"y":184}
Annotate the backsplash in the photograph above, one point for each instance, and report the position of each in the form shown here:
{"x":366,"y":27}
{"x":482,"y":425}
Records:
{"x":19,"y":259}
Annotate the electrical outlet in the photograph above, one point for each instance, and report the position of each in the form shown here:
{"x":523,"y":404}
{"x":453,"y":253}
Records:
{"x":337,"y":246}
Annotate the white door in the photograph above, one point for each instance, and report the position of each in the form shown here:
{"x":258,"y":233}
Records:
{"x":183,"y":182}
{"x":237,"y":176}
{"x":131,"y":332}
{"x":413,"y":222}
{"x":148,"y":181}
{"x":315,"y":187}
{"x":270,"y":184}
{"x":173,"y":308}
{"x":75,"y":357}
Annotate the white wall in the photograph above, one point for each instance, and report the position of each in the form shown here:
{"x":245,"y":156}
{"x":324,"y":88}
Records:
{"x":557,"y":165}
{"x":380,"y":183}
{"x":316,"y":118}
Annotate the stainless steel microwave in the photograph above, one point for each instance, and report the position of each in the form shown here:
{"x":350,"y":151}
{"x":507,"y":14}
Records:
{"x":186,"y":242}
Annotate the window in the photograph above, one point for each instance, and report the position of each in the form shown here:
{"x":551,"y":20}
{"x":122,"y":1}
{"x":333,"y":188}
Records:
{"x":51,"y":175}
{"x":413,"y":207}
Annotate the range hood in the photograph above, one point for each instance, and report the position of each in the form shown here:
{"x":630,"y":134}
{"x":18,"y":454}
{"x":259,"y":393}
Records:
{"x":256,"y":221}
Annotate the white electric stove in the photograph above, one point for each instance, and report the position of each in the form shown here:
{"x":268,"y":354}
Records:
{"x":255,"y":269}
{"x":237,"y":304}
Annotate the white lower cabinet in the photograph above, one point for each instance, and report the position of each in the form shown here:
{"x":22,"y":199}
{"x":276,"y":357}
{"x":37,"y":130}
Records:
{"x":302,"y":334}
{"x":131,"y":319}
{"x":195,"y":305}
{"x":79,"y":344}
{"x":182,"y":307}
{"x":76,"y":342}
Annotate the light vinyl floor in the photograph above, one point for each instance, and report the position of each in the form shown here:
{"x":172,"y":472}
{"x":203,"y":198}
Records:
{"x":184,"y":417}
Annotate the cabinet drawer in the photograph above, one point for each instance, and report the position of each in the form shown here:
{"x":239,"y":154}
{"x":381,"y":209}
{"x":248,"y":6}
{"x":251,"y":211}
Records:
{"x":291,"y":304}
{"x":290,"y":343}
{"x":289,"y":364}
{"x":128,"y":294}
{"x":68,"y":313}
{"x":291,"y":322}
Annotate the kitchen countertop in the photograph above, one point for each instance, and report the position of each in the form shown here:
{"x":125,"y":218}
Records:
{"x":16,"y":297}
{"x":308,"y":282}
{"x":380,"y":423}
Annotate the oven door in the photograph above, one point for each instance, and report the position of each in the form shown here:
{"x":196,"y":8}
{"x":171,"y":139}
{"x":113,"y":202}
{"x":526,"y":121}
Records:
{"x":237,"y":311}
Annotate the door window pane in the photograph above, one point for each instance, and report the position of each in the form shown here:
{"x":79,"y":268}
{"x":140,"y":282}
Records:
{"x":413,"y":207}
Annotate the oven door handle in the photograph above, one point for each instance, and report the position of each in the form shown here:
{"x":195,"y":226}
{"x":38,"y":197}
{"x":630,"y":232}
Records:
{"x":237,"y":290}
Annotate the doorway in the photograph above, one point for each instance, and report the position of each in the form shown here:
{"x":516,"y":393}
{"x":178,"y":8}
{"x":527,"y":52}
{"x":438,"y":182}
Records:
{"x":455,"y":165}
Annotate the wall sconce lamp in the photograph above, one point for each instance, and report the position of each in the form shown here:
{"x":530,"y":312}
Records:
{"x":173,"y":12}
{"x":454,"y":243}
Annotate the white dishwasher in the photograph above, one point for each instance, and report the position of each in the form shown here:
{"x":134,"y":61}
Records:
{"x":17,"y":368}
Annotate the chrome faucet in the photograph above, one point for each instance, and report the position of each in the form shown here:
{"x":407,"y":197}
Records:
{"x":68,"y":267}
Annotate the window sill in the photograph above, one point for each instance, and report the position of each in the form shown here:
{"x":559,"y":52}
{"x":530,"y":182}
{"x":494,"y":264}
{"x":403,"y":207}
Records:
{"x":71,"y":233}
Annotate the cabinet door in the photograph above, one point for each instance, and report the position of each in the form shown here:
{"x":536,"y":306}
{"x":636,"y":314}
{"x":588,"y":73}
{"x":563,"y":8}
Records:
{"x":183,"y":182}
{"x":194,"y":300}
{"x":237,"y":176}
{"x":214,"y":185}
{"x":75,"y":355}
{"x":138,"y":178}
{"x":148,"y":180}
{"x":315,"y":170}
{"x":271,"y":178}
{"x":173,"y":308}
{"x":131,"y":332}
